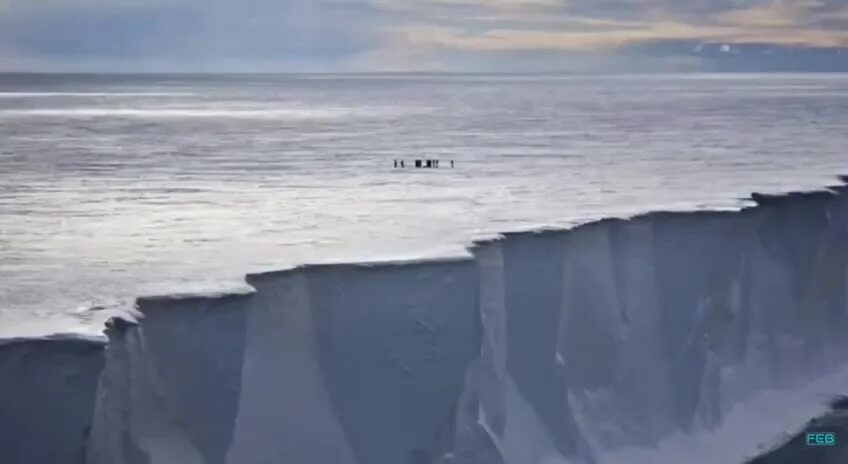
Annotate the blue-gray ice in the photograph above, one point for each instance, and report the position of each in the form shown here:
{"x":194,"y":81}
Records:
{"x":595,"y":344}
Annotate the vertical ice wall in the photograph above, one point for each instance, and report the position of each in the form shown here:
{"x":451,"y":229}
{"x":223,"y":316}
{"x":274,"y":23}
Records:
{"x":47,"y":389}
{"x":394,"y":342}
{"x":543,"y":347}
{"x":620,"y":333}
{"x":282,"y":362}
{"x":326,"y":364}
{"x":170,"y":389}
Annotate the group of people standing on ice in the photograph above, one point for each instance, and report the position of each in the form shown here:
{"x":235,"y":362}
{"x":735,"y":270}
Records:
{"x":421,"y":163}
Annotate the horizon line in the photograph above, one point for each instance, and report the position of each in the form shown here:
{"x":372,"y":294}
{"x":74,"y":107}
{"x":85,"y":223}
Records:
{"x":412,"y":73}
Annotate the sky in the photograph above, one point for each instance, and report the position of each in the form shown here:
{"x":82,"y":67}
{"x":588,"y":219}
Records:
{"x":643,"y":36}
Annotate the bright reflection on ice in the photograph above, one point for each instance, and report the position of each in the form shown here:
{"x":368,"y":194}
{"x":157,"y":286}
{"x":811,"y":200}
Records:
{"x":109,"y":189}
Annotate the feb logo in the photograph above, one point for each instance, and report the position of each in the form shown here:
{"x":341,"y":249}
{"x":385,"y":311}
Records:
{"x":821,"y":439}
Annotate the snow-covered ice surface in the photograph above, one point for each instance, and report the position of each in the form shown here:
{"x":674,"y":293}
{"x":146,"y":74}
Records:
{"x":111,"y":187}
{"x":664,"y":337}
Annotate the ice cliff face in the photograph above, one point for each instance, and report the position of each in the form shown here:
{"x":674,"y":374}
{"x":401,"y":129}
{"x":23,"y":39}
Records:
{"x":621,"y":333}
{"x":48,"y":388}
{"x":545,"y":347}
{"x":336,"y":364}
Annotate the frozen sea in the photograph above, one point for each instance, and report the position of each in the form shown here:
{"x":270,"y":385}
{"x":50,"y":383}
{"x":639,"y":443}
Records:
{"x":118,"y":186}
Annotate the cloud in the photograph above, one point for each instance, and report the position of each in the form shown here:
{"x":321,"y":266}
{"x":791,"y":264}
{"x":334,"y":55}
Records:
{"x":798,"y":23}
{"x":187,"y":34}
{"x":363,"y":35}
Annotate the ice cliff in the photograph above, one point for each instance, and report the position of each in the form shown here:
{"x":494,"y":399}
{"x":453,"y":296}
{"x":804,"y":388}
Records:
{"x":541,"y":347}
{"x":47,"y":394}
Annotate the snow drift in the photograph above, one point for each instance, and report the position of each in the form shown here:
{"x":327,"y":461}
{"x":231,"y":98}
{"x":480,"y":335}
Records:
{"x":796,"y":449}
{"x":542,"y":347}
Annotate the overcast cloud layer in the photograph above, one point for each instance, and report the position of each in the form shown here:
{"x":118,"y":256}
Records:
{"x":424,"y":35}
